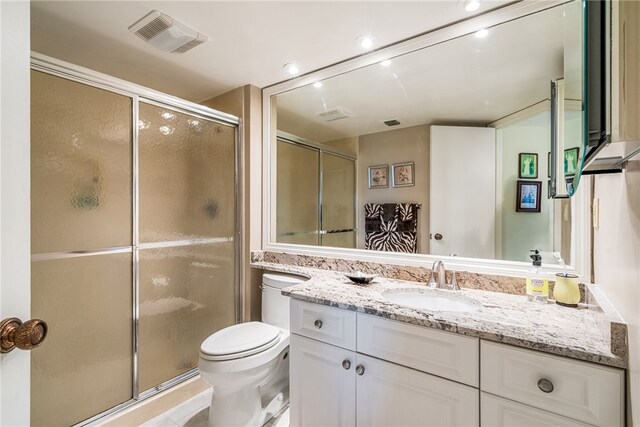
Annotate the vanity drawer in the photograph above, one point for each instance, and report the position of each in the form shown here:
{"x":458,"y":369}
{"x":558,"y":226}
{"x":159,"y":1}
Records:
{"x":323,"y":323}
{"x":498,"y":412}
{"x":584,"y":391}
{"x":444,"y":354}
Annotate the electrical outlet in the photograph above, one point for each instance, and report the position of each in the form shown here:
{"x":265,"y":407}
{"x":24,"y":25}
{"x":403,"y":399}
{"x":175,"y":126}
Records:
{"x":595,"y":212}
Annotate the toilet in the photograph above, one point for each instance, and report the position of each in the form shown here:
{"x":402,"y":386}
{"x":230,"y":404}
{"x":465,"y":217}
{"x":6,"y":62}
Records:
{"x":247,"y":364}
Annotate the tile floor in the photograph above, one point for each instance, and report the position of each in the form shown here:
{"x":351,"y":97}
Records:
{"x":195,"y":412}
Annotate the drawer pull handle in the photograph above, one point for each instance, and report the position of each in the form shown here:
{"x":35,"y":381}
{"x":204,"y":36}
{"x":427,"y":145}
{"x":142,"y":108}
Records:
{"x":346,"y":364}
{"x":318,"y":324}
{"x":545,"y":385}
{"x":359,"y":369}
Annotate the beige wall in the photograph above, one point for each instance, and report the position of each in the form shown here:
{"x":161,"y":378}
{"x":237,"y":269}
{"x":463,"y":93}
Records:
{"x":616,"y":253}
{"x":348,"y":145}
{"x":246,"y":103}
{"x":395,"y":146}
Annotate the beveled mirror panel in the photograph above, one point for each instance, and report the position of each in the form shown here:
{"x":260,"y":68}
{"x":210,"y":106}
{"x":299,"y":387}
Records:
{"x":451,"y":144}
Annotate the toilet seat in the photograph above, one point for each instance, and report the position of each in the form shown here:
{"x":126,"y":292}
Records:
{"x":238,"y":341}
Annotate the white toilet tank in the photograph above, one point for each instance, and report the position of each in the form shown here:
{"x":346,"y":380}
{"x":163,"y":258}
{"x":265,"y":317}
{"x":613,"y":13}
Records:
{"x":275,"y":306}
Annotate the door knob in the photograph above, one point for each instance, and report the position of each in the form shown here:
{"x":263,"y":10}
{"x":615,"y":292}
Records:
{"x":25,"y":336}
{"x":438,"y":236}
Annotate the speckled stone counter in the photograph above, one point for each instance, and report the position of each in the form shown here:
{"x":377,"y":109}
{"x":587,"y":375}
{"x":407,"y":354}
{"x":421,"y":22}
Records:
{"x":504,"y":317}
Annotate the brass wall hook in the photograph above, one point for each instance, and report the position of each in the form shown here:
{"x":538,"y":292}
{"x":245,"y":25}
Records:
{"x":25,"y":336}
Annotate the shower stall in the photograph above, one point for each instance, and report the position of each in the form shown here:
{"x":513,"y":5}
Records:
{"x":315,"y":193}
{"x":134,"y":239}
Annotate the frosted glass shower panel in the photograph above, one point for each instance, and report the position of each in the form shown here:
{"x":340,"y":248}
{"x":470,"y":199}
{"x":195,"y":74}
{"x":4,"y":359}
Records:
{"x":297,"y":194}
{"x":338,"y":201}
{"x":80,"y":166}
{"x":85,"y":365}
{"x":187,"y":176}
{"x":186,"y":294}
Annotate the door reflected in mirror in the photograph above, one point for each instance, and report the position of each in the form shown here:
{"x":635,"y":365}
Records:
{"x":430,"y":152}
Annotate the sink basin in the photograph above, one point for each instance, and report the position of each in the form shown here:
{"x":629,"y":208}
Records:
{"x":432,"y":300}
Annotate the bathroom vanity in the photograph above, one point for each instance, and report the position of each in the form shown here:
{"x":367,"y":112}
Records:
{"x":350,"y":368}
{"x":360,"y":356}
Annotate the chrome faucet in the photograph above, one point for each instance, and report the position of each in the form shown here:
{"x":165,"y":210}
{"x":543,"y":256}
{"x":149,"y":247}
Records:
{"x":441,"y":282}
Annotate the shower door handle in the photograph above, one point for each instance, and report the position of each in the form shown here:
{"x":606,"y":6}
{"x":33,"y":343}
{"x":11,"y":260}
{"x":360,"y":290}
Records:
{"x":25,"y":336}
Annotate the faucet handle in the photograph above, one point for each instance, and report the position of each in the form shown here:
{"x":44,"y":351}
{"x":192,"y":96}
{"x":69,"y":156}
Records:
{"x":432,"y":279}
{"x":454,"y":282}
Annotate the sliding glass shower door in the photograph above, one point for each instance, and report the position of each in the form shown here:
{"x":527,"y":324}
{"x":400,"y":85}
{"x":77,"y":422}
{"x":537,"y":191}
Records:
{"x":186,"y":238}
{"x":81,"y":233}
{"x":133,"y":244}
{"x":315,"y":196}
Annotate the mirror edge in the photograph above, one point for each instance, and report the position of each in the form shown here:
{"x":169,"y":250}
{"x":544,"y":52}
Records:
{"x":581,"y":237}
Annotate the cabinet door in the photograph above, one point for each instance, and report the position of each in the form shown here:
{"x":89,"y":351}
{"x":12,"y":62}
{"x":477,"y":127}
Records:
{"x":498,"y":412}
{"x":323,"y":392}
{"x":392,"y":395}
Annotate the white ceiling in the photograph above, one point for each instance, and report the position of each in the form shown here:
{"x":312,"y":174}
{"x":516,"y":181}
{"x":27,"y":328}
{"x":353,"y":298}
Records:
{"x":465,"y":81}
{"x":249,"y":43}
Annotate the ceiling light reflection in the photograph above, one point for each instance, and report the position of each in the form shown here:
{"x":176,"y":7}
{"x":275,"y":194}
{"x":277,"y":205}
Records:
{"x":471,"y":5}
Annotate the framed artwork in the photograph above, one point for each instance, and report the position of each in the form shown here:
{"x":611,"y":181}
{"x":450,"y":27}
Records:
{"x":528,"y":196}
{"x":403,"y":174}
{"x":528,"y":165}
{"x":571,"y":161}
{"x":379,"y":176}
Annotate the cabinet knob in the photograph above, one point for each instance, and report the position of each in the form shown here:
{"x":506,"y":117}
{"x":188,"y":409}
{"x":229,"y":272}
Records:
{"x":439,"y":236}
{"x":346,"y":364}
{"x":545,"y":385}
{"x":25,"y":336}
{"x":359,"y":369}
{"x":318,"y":323}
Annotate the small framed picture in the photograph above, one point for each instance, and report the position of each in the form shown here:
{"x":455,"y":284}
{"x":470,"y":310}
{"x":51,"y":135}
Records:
{"x":379,"y":176}
{"x":403,"y":174}
{"x":571,"y":161}
{"x":528,"y":196}
{"x":528,"y":165}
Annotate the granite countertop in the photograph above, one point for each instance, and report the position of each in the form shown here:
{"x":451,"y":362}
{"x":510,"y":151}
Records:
{"x":504,"y":318}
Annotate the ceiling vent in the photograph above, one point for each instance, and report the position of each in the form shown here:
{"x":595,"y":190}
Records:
{"x":392,"y":122}
{"x":167,"y":34}
{"x":335,"y":114}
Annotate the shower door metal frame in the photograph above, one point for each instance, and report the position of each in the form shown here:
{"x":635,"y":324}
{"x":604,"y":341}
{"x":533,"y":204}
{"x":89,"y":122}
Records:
{"x":140,"y":94}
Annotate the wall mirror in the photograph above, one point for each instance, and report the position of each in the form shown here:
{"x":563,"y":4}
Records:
{"x":444,"y":150}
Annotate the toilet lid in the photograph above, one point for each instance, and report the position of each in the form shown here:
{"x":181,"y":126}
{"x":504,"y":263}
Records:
{"x":240,"y":340}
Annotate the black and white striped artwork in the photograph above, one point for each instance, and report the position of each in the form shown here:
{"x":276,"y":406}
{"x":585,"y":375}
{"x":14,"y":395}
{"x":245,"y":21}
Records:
{"x":391,"y":227}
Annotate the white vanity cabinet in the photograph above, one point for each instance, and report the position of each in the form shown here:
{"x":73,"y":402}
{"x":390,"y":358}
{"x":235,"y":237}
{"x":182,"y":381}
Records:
{"x":322,"y":391}
{"x":353,"y":369}
{"x":586,"y":392}
{"x":332,"y":384}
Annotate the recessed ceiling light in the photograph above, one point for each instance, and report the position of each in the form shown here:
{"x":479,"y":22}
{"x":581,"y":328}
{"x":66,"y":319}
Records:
{"x":471,"y":5}
{"x":291,"y":68}
{"x":482,"y":33}
{"x":386,"y":63}
{"x":317,"y":84}
{"x":365,"y":42}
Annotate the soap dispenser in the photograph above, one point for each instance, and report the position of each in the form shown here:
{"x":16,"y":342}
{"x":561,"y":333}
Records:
{"x":537,"y":283}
